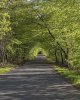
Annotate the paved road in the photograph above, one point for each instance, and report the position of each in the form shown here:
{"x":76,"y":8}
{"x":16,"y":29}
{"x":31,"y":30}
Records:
{"x":36,"y":80}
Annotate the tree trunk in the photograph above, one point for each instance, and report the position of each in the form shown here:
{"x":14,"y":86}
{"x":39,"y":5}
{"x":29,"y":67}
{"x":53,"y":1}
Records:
{"x":62,"y":59}
{"x":3,"y":52}
{"x":56,"y":56}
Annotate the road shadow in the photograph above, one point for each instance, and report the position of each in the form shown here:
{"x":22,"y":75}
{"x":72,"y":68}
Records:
{"x":36,"y":82}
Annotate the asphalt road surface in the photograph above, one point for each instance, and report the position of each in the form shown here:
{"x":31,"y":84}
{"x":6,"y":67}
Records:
{"x":36,"y":80}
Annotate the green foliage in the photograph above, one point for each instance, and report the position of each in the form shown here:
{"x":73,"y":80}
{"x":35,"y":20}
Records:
{"x":54,"y":24}
{"x":4,"y":19}
{"x":35,"y":50}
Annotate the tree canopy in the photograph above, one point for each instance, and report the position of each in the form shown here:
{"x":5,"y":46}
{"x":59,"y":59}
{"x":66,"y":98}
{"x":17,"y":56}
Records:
{"x":50,"y":26}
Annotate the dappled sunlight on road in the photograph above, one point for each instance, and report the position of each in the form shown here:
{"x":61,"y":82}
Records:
{"x":36,"y":82}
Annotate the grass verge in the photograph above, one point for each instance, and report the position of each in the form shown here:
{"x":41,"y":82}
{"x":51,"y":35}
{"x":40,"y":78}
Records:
{"x":6,"y":68}
{"x":70,"y":75}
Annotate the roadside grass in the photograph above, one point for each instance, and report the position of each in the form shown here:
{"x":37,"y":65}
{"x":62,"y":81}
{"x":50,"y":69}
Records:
{"x":6,"y":68}
{"x":70,"y":75}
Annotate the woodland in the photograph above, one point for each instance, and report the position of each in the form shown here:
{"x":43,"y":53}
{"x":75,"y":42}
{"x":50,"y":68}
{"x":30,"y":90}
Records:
{"x":49,"y":26}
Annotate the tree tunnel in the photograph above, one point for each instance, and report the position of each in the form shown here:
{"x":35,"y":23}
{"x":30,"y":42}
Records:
{"x":36,"y":50}
{"x":32,"y":26}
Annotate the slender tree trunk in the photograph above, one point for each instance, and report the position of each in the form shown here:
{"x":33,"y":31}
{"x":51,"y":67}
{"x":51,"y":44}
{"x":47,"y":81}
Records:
{"x":62,"y":59}
{"x":3,"y":52}
{"x":56,"y":56}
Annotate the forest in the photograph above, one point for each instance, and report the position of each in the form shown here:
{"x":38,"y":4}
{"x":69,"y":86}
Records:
{"x":50,"y":26}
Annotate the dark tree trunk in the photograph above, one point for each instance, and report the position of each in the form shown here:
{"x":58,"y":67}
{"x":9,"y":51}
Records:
{"x":56,"y":56}
{"x":62,"y":59}
{"x":3,"y":52}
